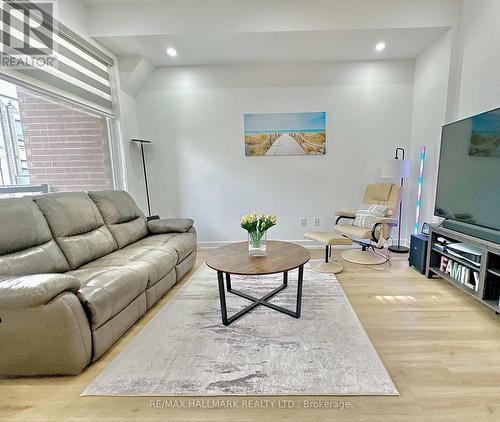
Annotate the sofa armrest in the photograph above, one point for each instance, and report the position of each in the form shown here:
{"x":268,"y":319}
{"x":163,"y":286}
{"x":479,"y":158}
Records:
{"x":170,"y":225}
{"x":33,"y":290}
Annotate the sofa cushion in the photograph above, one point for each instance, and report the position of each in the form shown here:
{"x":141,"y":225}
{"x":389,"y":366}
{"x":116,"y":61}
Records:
{"x":77,"y":226}
{"x":155,"y":262}
{"x":122,"y":216}
{"x":107,"y":291}
{"x":26,"y":243}
{"x":182,"y":243}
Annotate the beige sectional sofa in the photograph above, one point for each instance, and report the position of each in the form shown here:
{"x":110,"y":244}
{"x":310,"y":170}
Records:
{"x":77,"y":270}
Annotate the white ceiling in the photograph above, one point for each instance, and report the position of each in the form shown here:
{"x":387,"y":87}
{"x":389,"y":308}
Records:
{"x":268,"y":31}
{"x":274,"y":47}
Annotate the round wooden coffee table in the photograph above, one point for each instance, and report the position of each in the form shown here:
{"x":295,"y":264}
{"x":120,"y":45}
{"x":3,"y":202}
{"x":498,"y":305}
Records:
{"x":282,"y":257}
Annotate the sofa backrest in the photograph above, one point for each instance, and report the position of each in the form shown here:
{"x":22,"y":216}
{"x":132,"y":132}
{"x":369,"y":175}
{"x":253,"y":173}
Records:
{"x":77,"y":226}
{"x":122,"y":216}
{"x":26,"y":243}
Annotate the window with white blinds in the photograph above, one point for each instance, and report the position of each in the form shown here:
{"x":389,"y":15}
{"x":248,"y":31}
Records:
{"x":41,"y":52}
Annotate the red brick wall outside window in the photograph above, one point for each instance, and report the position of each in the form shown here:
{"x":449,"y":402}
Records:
{"x":66,"y":147}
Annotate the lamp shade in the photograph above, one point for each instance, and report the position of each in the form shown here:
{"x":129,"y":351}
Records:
{"x":395,"y":169}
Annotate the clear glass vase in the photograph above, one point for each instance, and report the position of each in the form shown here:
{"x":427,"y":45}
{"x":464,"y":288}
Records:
{"x":257,"y":242}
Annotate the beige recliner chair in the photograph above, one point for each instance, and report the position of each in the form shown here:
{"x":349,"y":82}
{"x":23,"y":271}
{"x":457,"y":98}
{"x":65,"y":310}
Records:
{"x":378,"y":233}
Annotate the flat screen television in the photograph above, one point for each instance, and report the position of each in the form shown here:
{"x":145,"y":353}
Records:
{"x":468,"y":187}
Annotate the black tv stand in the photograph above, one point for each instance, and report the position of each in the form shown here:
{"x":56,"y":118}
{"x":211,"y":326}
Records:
{"x":488,"y":289}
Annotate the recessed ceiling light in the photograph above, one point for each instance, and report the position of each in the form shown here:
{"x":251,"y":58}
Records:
{"x":172,"y":52}
{"x":380,"y":46}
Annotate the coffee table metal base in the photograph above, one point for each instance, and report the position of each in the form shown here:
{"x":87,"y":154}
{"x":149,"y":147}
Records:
{"x":255,"y":300}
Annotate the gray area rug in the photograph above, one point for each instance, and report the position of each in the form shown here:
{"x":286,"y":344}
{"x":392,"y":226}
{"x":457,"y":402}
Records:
{"x":185,"y":350}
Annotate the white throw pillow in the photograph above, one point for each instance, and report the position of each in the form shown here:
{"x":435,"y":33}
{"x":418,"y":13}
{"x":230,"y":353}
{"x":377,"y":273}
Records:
{"x":368,"y":214}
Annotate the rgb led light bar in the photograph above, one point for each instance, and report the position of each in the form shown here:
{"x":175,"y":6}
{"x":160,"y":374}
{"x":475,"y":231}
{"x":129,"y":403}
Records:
{"x":419,"y":192}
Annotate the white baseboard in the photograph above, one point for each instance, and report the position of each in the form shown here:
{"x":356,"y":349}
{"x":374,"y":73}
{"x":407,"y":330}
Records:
{"x":309,"y":244}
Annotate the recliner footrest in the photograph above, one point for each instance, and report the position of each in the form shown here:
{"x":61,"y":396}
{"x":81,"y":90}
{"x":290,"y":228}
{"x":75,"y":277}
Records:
{"x":327,"y":238}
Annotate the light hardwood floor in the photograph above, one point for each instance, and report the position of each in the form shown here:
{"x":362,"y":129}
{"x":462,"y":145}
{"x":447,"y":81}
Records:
{"x":441,"y":348}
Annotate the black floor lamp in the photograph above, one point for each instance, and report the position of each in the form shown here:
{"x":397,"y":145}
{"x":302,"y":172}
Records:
{"x":398,"y":168}
{"x":142,"y":142}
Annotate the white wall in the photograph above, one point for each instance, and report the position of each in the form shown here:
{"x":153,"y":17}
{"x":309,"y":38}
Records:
{"x":194,"y":115}
{"x":430,"y":94}
{"x":456,"y":77}
{"x":133,"y":163}
{"x":73,"y":14}
{"x":133,"y":71}
{"x":195,"y":118}
{"x":480,"y":72}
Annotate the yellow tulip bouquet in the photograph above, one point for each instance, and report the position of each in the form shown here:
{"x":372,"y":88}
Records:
{"x":257,"y":227}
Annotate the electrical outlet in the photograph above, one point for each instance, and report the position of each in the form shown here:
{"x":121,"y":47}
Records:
{"x":303,"y":222}
{"x":316,"y":221}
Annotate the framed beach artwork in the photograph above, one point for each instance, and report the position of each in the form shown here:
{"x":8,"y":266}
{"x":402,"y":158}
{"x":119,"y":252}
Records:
{"x":285,"y":134}
{"x":485,"y":136}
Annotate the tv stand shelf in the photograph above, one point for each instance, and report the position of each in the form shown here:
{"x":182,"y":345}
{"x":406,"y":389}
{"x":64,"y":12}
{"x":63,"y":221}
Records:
{"x":488,"y":288}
